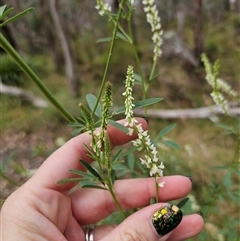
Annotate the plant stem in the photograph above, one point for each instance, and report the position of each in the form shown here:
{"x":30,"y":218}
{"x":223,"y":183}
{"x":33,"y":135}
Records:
{"x":10,"y":180}
{"x":157,"y":193}
{"x":111,"y":190}
{"x":236,"y":153}
{"x":29,"y":72}
{"x":109,"y":55}
{"x":153,"y":70}
{"x":135,"y":51}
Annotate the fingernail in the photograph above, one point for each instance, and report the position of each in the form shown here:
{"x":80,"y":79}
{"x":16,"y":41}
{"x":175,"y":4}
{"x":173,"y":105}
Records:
{"x":146,"y":119}
{"x":166,"y":219}
{"x":190,"y":177}
{"x":201,"y":214}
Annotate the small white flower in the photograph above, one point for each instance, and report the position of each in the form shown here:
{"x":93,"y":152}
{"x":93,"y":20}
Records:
{"x":102,"y":7}
{"x":155,"y":22}
{"x":153,"y":170}
{"x":161,"y":184}
{"x":219,"y":86}
{"x":161,"y":166}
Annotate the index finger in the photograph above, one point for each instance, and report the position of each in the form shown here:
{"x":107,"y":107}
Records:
{"x":67,"y":157}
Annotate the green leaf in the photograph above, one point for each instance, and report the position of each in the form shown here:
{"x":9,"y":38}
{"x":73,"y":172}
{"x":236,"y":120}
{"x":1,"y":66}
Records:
{"x":102,"y":40}
{"x":19,"y":15}
{"x":121,"y":36}
{"x":119,"y":167}
{"x":80,"y":173}
{"x":172,"y":144}
{"x":67,"y":180}
{"x":155,"y":76}
{"x":137,"y":78}
{"x":92,"y":170}
{"x":238,"y":125}
{"x":123,"y":172}
{"x":91,"y":153}
{"x":235,"y":171}
{"x":227,"y":180}
{"x":165,"y":130}
{"x":131,"y":160}
{"x":152,"y":200}
{"x":116,"y":157}
{"x":76,"y":131}
{"x":92,"y":100}
{"x":139,"y":104}
{"x":75,"y":124}
{"x":94,"y":186}
{"x":4,"y":13}
{"x":234,"y":196}
{"x":113,"y":176}
{"x":118,"y":125}
{"x":225,"y":127}
{"x":2,"y":9}
{"x":182,"y":202}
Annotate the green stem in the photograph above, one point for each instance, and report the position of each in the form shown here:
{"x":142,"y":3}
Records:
{"x":29,"y":72}
{"x":109,"y":55}
{"x":153,"y":70}
{"x":236,"y":153}
{"x":10,"y":180}
{"x":111,"y":190}
{"x":157,"y":190}
{"x":136,"y":55}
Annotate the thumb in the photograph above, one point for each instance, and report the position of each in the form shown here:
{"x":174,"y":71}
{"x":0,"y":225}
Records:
{"x":153,"y":223}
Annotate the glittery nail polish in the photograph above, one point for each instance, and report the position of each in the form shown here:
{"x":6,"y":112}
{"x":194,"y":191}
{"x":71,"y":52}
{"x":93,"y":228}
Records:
{"x":166,"y":219}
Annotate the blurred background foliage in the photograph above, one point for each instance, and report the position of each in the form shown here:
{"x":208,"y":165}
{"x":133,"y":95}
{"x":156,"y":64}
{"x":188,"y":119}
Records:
{"x":29,"y":134}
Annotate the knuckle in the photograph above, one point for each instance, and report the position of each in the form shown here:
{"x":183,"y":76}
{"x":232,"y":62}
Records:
{"x":133,"y":234}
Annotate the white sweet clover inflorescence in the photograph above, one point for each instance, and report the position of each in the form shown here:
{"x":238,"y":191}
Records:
{"x":154,"y":20}
{"x":103,"y":7}
{"x":143,"y":142}
{"x":218,"y":85}
{"x":130,"y":121}
{"x":100,"y":141}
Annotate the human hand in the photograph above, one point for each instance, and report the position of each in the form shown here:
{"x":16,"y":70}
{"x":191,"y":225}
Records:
{"x":43,"y":210}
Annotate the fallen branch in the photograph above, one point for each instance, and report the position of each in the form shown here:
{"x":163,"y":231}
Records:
{"x":209,"y":112}
{"x":24,"y":95}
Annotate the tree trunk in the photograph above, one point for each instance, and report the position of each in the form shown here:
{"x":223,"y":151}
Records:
{"x":198,"y":34}
{"x":237,"y":6}
{"x":169,"y":6}
{"x":49,"y":34}
{"x":227,"y":6}
{"x":181,"y":15}
{"x":66,"y":48}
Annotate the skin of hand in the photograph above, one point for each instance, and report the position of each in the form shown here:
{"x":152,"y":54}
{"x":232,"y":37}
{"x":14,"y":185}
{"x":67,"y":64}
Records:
{"x":43,"y":210}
